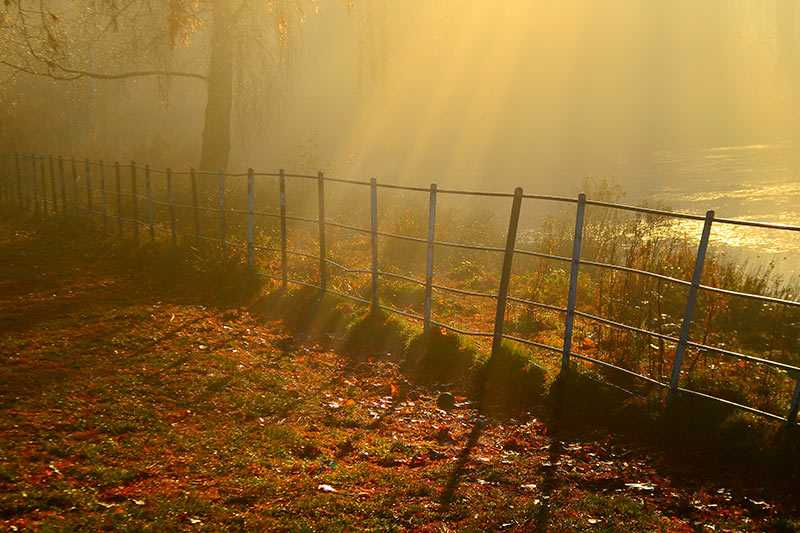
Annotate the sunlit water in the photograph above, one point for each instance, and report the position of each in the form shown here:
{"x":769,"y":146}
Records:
{"x":754,"y":182}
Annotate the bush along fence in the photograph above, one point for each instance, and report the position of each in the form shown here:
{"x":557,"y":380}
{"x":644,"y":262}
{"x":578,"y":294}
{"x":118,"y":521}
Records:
{"x":41,"y":184}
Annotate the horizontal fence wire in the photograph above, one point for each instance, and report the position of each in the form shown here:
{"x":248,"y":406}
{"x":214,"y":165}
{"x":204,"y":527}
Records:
{"x":406,"y":314}
{"x":530,"y":342}
{"x":620,"y":325}
{"x":635,"y":271}
{"x":542,"y":255}
{"x":461,"y":331}
{"x":759,"y":297}
{"x":347,"y":269}
{"x":477,"y":193}
{"x":753,"y":359}
{"x":402,"y":237}
{"x":741,"y":406}
{"x":465,"y":292}
{"x":537,"y":304}
{"x":146,"y":203}
{"x":464,"y":246}
{"x":618,"y":369}
{"x":347,"y":227}
{"x":646,"y":210}
{"x":401,"y":277}
{"x":280,"y":250}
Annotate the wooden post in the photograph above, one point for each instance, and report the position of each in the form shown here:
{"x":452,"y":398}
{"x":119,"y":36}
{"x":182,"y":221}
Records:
{"x":373,"y":241}
{"x":151,"y":208}
{"x":118,"y":180}
{"x":134,"y":203}
{"x":284,"y":255}
{"x":89,"y":193}
{"x":43,"y":173}
{"x":103,"y":196}
{"x":323,"y":258}
{"x":572,"y":295}
{"x":429,"y":259}
{"x":195,"y":210}
{"x":172,"y":226}
{"x":63,"y":185}
{"x":251,"y":220}
{"x":53,"y":192}
{"x":75,"y":202}
{"x":505,"y":275}
{"x":221,"y":194}
{"x":19,"y":181}
{"x":691,"y":303}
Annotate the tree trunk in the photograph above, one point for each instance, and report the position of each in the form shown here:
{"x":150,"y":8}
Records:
{"x":217,"y":128}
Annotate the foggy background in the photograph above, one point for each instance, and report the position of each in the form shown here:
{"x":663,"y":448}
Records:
{"x":669,"y":100}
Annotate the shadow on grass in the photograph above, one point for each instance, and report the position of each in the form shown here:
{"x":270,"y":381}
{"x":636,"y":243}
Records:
{"x":550,"y":481}
{"x":694,"y":433}
{"x":449,"y":492}
{"x":697,"y":436}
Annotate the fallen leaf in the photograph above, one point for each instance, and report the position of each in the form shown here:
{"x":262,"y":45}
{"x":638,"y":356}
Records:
{"x":641,"y":486}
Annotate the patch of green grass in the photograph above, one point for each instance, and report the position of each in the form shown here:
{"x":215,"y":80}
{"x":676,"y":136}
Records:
{"x":510,"y":380}
{"x":377,"y":333}
{"x":439,"y":357}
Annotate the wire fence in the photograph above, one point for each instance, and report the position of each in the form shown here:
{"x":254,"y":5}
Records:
{"x":43,"y":185}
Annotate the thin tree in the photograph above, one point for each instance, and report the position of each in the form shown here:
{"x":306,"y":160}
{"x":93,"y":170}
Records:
{"x":118,"y":40}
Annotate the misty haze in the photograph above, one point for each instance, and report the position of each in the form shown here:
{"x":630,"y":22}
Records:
{"x":424,"y":265}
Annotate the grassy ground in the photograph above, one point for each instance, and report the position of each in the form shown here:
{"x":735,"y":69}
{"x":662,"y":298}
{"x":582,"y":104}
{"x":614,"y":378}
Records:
{"x":126,"y":405}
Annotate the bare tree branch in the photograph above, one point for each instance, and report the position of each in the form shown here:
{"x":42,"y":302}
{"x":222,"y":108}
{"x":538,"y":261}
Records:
{"x":75,"y":74}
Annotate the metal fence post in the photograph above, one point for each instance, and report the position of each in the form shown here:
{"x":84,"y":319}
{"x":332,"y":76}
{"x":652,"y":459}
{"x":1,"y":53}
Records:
{"x":428,"y":306}
{"x":63,"y":185}
{"x":118,"y":180}
{"x":251,"y":219}
{"x":151,"y":212}
{"x":75,"y":202}
{"x":43,"y":172}
{"x":195,"y":210}
{"x":323,"y":252}
{"x":53,"y":192}
{"x":103,"y":197}
{"x":172,"y":228}
{"x":134,"y":203}
{"x":373,"y":241}
{"x":791,"y":419}
{"x":222,"y":228}
{"x":30,"y":192}
{"x":34,"y":185}
{"x":89,"y":192}
{"x":691,"y":303}
{"x":7,"y":178}
{"x":26,"y":184}
{"x":572,"y":295}
{"x":284,"y":256}
{"x":19,"y":180}
{"x":4,"y":183}
{"x":505,"y":275}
